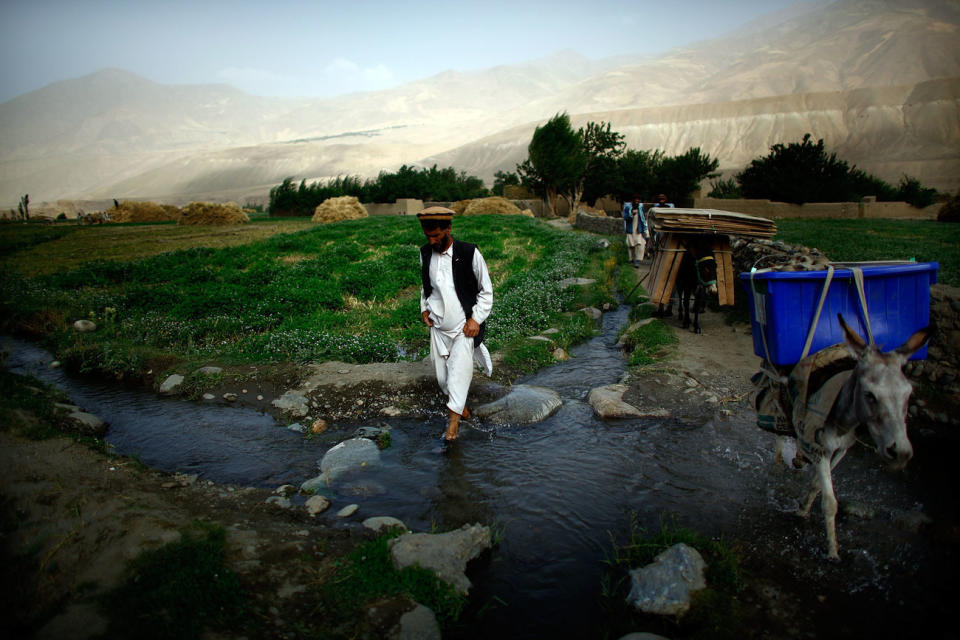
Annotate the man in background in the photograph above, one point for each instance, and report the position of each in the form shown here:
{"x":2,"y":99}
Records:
{"x":635,"y":226}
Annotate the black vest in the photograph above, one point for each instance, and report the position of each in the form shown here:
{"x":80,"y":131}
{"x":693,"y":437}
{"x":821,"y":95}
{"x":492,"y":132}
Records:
{"x":464,"y":280}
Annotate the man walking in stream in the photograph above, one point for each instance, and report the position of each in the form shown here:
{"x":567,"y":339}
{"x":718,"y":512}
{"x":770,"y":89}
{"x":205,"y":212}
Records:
{"x":455,"y":300}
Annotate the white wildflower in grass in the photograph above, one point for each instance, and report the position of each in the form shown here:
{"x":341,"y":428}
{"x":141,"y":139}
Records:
{"x":346,"y":291}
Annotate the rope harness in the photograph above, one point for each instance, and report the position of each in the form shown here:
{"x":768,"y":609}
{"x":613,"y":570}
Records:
{"x":798,"y":402}
{"x":706,"y":283}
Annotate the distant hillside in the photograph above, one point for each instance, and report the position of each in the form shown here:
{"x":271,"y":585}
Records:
{"x":887,"y":131}
{"x":877,"y":79}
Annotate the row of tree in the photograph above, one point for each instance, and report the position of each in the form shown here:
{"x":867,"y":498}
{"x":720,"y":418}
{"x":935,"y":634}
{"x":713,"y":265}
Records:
{"x":445,"y":185}
{"x":593,"y":162}
{"x":803,"y":171}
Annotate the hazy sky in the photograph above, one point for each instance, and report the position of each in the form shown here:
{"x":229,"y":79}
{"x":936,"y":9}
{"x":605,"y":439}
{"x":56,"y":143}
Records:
{"x":289,"y":47}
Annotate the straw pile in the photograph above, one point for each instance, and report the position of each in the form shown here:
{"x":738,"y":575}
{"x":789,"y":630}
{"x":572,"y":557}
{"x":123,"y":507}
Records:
{"x":591,"y":211}
{"x":203,"y":213}
{"x":711,"y":221}
{"x":494,"y":204}
{"x":336,"y":209}
{"x":130,"y":211}
{"x":460,"y":206}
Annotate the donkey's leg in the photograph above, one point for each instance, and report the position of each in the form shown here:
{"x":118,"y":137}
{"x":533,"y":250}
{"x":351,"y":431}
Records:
{"x":828,"y":503}
{"x":699,"y":304}
{"x":685,"y":308}
{"x":807,"y":503}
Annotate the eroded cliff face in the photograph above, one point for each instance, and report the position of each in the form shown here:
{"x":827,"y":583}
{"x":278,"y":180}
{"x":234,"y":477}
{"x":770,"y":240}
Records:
{"x":889,"y":131}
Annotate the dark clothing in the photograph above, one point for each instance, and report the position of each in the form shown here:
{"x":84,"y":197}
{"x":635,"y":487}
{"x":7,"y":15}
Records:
{"x":464,"y":280}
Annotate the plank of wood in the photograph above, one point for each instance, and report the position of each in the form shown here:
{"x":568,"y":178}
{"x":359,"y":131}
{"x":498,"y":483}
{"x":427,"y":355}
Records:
{"x":665,"y":276}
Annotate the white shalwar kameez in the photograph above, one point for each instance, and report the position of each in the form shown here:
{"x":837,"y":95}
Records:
{"x":452,"y":352}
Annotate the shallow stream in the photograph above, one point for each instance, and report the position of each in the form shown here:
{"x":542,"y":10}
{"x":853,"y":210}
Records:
{"x":561,"y":491}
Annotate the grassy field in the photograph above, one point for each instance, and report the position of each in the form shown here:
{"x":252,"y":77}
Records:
{"x":865,"y":240}
{"x":287,"y":290}
{"x":278,"y":290}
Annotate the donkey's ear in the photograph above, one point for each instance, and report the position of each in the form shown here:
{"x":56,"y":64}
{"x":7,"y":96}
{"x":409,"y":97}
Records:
{"x":914,"y":342}
{"x":855,"y":343}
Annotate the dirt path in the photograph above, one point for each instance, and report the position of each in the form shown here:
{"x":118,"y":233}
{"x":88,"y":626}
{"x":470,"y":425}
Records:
{"x":705,"y":372}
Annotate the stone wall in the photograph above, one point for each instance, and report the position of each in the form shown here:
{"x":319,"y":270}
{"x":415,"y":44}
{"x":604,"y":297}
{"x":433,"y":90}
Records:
{"x":402,"y":207}
{"x":869,"y":208}
{"x":599,"y":224}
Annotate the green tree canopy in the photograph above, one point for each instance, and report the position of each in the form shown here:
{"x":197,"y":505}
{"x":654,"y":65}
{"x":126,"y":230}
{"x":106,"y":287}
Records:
{"x":798,"y":172}
{"x":803,"y":171}
{"x":562,"y":162}
{"x":680,"y":175}
{"x":555,"y":159}
{"x":445,"y":185}
{"x":638,"y":173}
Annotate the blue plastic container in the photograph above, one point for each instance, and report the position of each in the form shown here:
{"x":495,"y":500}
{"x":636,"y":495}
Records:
{"x":783,"y":303}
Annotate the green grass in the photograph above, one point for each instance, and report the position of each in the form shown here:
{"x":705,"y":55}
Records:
{"x":346,"y":291}
{"x":715,"y":611}
{"x":28,"y":410}
{"x":367,"y":574}
{"x":649,"y":343}
{"x":178,"y":590}
{"x":855,"y":240}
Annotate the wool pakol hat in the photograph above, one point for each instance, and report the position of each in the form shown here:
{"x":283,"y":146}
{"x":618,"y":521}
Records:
{"x":436,"y":213}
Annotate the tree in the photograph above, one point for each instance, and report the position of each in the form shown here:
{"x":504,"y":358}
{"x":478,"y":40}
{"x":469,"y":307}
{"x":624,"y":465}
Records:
{"x":638,"y":173}
{"x":728,"y":189}
{"x":24,"y":207}
{"x":601,"y":149}
{"x":503,"y":179}
{"x":554,"y":159}
{"x":910,"y":190}
{"x":798,"y":173}
{"x":803,"y":172}
{"x":560,"y":161}
{"x":678,"y":176}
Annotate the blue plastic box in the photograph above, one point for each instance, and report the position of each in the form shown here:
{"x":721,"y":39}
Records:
{"x":897,"y":294}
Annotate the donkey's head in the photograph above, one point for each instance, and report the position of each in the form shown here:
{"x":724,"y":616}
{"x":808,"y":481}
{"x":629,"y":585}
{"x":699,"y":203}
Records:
{"x":707,"y":273}
{"x":881,"y":393}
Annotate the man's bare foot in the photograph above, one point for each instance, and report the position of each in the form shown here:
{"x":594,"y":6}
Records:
{"x":453,"y":427}
{"x":466,"y":414}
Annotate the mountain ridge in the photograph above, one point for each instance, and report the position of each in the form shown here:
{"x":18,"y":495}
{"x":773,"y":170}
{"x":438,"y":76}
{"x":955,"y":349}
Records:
{"x":114,"y":134}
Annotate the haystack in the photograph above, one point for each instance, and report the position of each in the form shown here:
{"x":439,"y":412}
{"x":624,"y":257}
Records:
{"x":202,"y":213}
{"x":591,"y":211}
{"x":494,"y":204}
{"x":131,"y":211}
{"x":336,"y":209}
{"x":460,"y":206}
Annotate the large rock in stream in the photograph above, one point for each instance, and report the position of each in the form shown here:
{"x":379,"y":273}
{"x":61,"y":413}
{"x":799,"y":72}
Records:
{"x":524,"y":404}
{"x":607,"y":402}
{"x":349,"y":455}
{"x":445,"y":554}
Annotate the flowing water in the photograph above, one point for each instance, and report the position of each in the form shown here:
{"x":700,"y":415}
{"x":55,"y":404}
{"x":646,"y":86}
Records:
{"x":561,"y":491}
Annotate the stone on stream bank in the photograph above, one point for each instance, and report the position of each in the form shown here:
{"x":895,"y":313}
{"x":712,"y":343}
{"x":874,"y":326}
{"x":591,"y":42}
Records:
{"x":171,"y":385}
{"x":445,"y":554}
{"x":664,"y":586}
{"x":607,"y":402}
{"x":342,"y":391}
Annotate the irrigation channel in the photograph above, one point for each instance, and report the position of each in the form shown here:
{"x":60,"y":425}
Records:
{"x":564,"y":491}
